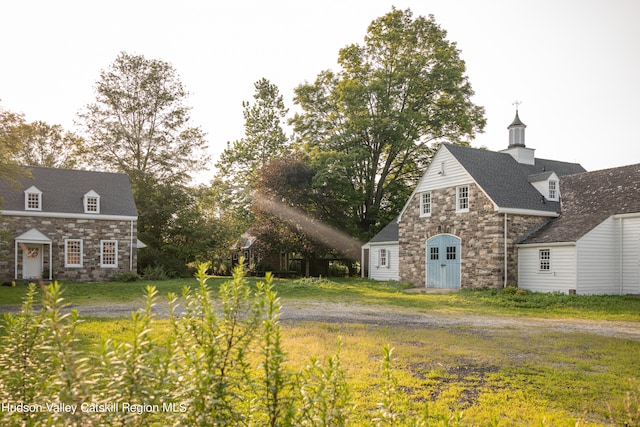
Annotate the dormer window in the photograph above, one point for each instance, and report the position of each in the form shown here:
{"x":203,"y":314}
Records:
{"x":553,"y":190}
{"x":33,"y":199}
{"x":91,"y":202}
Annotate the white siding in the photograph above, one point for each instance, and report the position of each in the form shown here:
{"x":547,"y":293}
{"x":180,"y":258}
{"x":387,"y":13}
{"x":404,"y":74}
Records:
{"x":630,"y":255}
{"x":598,"y":261}
{"x":389,"y":272}
{"x":444,"y":171}
{"x":561,"y":276}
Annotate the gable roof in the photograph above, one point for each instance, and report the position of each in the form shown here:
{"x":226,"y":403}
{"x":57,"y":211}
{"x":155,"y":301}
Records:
{"x":588,"y":199}
{"x":63,"y":192}
{"x":508,"y":182}
{"x":388,"y":234}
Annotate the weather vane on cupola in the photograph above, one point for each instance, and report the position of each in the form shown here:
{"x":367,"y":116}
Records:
{"x":517,"y":104}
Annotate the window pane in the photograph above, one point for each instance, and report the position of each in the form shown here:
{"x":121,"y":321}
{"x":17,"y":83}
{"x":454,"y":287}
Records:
{"x":463,"y":198}
{"x":74,"y":252}
{"x":545,"y":259}
{"x":33,"y":201}
{"x":434,"y":254}
{"x":109,"y":252}
{"x":92,"y":204}
{"x":451,"y":252}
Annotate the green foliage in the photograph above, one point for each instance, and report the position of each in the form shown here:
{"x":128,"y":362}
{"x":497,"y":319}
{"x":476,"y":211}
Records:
{"x":155,"y":273}
{"x":139,"y":123}
{"x":50,"y":146}
{"x":220,"y":363}
{"x":264,"y":139}
{"x":368,"y":127}
{"x":126,"y":277}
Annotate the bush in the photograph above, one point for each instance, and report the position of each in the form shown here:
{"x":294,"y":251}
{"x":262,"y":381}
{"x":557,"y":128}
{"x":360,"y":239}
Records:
{"x":126,"y":277}
{"x":221,"y":364}
{"x":155,"y":273}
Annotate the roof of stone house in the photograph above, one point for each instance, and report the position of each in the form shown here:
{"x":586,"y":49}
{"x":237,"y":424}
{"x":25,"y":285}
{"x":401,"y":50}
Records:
{"x":508,"y":182}
{"x":387,"y":234}
{"x":588,"y":199}
{"x":63,"y":191}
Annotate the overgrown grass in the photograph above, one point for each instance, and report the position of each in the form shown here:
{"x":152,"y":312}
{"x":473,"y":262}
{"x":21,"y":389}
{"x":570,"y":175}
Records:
{"x":450,"y":376}
{"x":497,"y":377}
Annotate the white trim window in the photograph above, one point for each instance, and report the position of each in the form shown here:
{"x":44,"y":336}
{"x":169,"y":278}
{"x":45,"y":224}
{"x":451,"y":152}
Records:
{"x":425,"y":204}
{"x":553,"y":190}
{"x":73,"y":253}
{"x":383,"y":258}
{"x":91,"y":202}
{"x":544,"y":260}
{"x":462,"y":198}
{"x":109,"y":253}
{"x":32,"y":199}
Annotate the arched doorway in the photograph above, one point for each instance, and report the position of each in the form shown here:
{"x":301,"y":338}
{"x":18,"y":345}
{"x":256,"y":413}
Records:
{"x":443,"y":261}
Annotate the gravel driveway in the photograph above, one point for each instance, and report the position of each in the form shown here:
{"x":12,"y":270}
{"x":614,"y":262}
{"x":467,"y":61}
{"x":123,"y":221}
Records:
{"x":293,"y":311}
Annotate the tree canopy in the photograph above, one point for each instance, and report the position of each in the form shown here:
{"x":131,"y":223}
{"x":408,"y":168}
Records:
{"x":369,"y":128}
{"x":11,"y":137}
{"x":264,"y":139}
{"x":139,"y":123}
{"x":50,"y":146}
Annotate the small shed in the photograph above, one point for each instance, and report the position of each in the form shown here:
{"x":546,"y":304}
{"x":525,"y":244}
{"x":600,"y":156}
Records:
{"x":381,"y":256}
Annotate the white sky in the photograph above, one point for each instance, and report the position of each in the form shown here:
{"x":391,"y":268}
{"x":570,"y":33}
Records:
{"x":574,"y":64}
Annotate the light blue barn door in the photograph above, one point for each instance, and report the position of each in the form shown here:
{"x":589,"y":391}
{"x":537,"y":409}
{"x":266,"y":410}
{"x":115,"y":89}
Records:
{"x":443,"y":261}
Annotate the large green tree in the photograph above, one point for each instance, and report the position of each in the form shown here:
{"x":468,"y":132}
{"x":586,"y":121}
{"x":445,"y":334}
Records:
{"x":370,"y":127}
{"x":264,"y":139}
{"x":140,"y":124}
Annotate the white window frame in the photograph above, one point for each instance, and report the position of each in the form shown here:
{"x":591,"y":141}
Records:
{"x":553,"y":189}
{"x":66,"y":253}
{"x":32,"y":191}
{"x":383,"y":257}
{"x":90,"y":197}
{"x":425,"y":204}
{"x":460,"y":207}
{"x":544,"y":260}
{"x":102,"y":254}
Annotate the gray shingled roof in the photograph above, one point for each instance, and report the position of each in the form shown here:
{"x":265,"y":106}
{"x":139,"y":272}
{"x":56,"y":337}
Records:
{"x":588,"y":199}
{"x":63,"y":191}
{"x":506,"y":181}
{"x":387,"y":234}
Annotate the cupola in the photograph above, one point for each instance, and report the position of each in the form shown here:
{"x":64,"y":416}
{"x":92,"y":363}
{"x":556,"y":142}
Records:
{"x":517,"y":149}
{"x":516,"y":132}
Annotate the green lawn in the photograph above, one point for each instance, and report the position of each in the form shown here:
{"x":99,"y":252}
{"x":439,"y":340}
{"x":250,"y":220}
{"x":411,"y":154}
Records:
{"x":492,"y":377}
{"x":359,"y":291}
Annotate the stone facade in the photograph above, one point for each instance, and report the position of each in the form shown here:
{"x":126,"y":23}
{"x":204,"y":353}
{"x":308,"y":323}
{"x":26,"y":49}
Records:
{"x":90,"y":231}
{"x":481,"y":231}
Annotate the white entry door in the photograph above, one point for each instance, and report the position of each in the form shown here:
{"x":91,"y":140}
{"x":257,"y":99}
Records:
{"x":32,"y":262}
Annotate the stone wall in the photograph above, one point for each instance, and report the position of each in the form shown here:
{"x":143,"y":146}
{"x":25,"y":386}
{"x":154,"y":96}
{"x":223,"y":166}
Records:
{"x":481,"y":231}
{"x":91,"y":231}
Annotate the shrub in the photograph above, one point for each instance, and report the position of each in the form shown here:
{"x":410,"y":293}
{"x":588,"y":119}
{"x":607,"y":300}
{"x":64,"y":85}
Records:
{"x":126,"y":277}
{"x":155,"y":273}
{"x":221,"y":364}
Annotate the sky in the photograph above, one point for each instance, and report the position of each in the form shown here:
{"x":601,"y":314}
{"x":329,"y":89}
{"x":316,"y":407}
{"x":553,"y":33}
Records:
{"x":574,"y":65}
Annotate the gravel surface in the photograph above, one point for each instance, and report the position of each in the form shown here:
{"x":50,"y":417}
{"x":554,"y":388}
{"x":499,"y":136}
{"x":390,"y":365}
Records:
{"x":392,"y":316}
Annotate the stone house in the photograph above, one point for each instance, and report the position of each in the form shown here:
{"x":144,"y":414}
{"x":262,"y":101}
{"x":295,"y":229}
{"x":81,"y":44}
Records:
{"x":70,"y":225}
{"x":461,"y":224}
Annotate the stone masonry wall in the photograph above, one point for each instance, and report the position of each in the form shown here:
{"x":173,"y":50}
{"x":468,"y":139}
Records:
{"x":58,"y":229}
{"x":481,"y":231}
